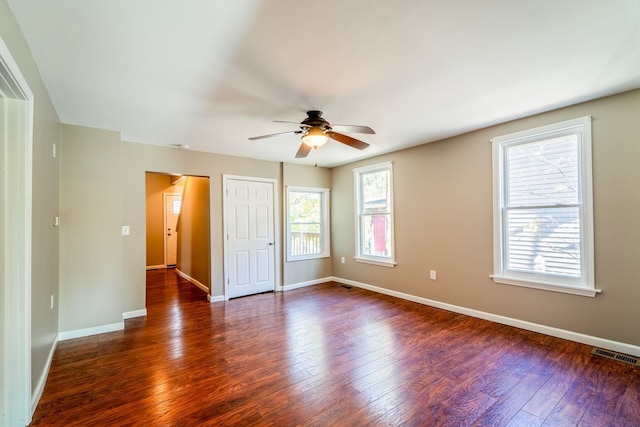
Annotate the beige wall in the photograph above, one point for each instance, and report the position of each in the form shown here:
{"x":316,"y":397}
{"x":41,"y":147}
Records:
{"x":91,"y":241}
{"x":44,"y":272}
{"x":304,"y":270}
{"x":443,"y":221}
{"x":157,"y":184}
{"x":194,"y":253}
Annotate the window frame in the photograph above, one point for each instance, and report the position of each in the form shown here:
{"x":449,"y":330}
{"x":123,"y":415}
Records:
{"x":583,"y":285}
{"x":325,"y":243}
{"x":385,"y":261}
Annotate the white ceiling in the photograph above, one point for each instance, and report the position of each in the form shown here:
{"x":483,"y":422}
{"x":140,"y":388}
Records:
{"x":209,"y":74}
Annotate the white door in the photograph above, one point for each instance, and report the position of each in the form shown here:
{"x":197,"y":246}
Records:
{"x":250,"y":254}
{"x":172,"y":205}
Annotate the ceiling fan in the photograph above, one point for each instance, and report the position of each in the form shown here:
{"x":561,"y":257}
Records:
{"x":316,"y":131}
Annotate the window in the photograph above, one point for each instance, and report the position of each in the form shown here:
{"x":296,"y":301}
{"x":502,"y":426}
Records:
{"x":176,"y":207}
{"x":308,"y":223}
{"x":543,"y":219}
{"x":374,"y":210}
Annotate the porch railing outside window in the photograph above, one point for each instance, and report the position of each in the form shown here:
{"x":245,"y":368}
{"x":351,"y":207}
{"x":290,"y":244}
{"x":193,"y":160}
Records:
{"x":303,"y":243}
{"x":307,"y":223}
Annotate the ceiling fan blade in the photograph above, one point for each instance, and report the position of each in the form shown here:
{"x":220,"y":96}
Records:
{"x":347,"y":140}
{"x":303,"y":151}
{"x":253,"y":138}
{"x":288,"y":121}
{"x":353,"y":128}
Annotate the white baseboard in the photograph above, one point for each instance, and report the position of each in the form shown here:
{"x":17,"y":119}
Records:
{"x":135,"y":313}
{"x":307,"y":283}
{"x":156,"y":267}
{"x":210,"y":298}
{"x":42,"y":380}
{"x":79,"y":333}
{"x":529,"y":326}
{"x":217,"y":298}
{"x":192,"y":280}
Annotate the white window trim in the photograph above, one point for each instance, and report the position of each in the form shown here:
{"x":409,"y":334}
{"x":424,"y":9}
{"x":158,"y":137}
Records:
{"x":325,"y":243}
{"x":585,"y":286}
{"x":370,"y":259}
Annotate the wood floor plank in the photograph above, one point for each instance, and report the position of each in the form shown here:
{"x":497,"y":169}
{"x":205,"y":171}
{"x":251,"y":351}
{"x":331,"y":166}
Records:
{"x":573,"y":404}
{"x":326,"y":355}
{"x":628,"y":409}
{"x":525,"y":419}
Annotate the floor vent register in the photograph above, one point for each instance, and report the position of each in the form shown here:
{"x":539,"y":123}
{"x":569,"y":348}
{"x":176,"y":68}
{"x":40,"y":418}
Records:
{"x":616,"y":356}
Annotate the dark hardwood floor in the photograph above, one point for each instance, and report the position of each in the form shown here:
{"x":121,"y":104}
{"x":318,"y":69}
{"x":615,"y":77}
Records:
{"x":324,"y":356}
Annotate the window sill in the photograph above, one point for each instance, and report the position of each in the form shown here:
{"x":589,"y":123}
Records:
{"x":574,"y":290}
{"x":307,"y":258}
{"x":375,"y":262}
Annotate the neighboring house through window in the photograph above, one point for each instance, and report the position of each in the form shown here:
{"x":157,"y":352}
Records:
{"x":308,"y":223}
{"x":543,"y":208}
{"x":374,"y":214}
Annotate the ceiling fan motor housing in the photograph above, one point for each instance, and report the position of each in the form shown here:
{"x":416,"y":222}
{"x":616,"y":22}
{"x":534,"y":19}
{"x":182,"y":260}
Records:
{"x":314,"y":119}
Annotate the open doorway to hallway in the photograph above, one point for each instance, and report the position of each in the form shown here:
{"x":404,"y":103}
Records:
{"x":178,"y":226}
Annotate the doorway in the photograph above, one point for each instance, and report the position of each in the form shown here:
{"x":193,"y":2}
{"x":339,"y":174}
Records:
{"x":159,"y":186}
{"x":250,"y":244}
{"x":178,"y":230}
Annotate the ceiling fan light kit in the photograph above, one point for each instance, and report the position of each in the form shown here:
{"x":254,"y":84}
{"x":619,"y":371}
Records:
{"x":316,"y":131}
{"x":315,"y":137}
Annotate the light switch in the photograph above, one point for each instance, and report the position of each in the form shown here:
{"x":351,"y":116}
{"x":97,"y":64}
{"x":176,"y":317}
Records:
{"x":125,"y":230}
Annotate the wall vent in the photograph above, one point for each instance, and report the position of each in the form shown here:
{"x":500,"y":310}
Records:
{"x":616,"y":356}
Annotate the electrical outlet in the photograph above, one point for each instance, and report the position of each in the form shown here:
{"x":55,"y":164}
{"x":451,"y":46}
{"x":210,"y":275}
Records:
{"x":432,"y":275}
{"x":342,"y":260}
{"x":55,"y":151}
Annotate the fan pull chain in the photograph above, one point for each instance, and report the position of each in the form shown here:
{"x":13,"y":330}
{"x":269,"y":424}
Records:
{"x":315,"y":157}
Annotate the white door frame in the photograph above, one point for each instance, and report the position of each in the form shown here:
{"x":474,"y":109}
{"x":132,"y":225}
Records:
{"x":276,"y":227}
{"x":164,"y":214}
{"x":17,"y":141}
